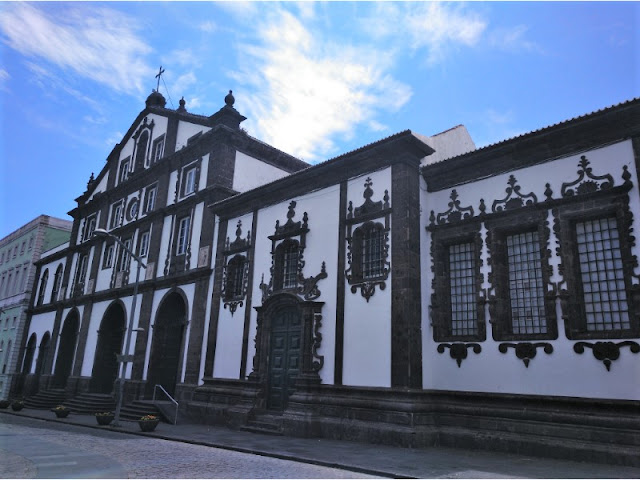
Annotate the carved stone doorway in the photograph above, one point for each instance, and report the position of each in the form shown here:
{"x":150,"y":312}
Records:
{"x":110,"y":339}
{"x":166,"y":347}
{"x":284,"y":355}
{"x":66,"y":350}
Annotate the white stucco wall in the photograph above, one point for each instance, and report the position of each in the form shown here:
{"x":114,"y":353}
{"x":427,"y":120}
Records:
{"x":367,"y":325}
{"x":250,"y":173}
{"x":40,"y":324}
{"x":48,"y":288}
{"x":159,"y":128}
{"x":186,"y":130}
{"x":564,"y":372}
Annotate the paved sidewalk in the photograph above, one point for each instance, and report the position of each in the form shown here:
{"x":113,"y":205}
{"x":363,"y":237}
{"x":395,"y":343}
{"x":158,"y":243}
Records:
{"x":394,"y":462}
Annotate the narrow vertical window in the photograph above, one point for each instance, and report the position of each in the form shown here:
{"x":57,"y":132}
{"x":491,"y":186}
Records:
{"x":234,"y":286}
{"x":124,"y":170}
{"x":57,"y":282}
{"x":158,"y":149}
{"x":81,"y":272}
{"x":107,"y":262}
{"x":150,"y":199}
{"x":141,"y":150}
{"x":43,"y":286}
{"x":90,"y":226}
{"x":190,"y":181}
{"x":372,"y":253}
{"x":183,"y":235}
{"x":526,"y":292}
{"x":463,"y":292}
{"x":123,"y":264}
{"x":144,"y":244}
{"x":116,"y":214}
{"x":601,"y":272}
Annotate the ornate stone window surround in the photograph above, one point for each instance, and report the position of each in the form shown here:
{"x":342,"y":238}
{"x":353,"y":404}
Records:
{"x":190,"y":178}
{"x":236,"y":256}
{"x":141,"y":152}
{"x":369,"y":217}
{"x":499,"y":228}
{"x":442,"y":238}
{"x":613,"y":202}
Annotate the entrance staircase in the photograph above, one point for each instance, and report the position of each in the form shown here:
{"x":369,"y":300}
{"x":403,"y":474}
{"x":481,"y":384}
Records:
{"x":265,"y":422}
{"x":138,"y":408}
{"x":90,"y":403}
{"x":46,"y":399}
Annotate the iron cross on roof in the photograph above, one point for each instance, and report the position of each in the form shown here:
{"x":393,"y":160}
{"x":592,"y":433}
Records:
{"x":160,"y":72}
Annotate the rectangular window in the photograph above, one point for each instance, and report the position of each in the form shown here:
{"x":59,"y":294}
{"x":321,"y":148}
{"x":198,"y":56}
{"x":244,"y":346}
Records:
{"x":158,"y":149}
{"x":602,"y":275}
{"x":123,"y":264}
{"x":183,"y":235}
{"x":107,"y":261}
{"x":463,"y":293}
{"x":190,"y":181}
{"x":144,"y":244}
{"x":116,"y":215}
{"x":90,"y":226}
{"x":81,"y":272}
{"x":150,"y":199}
{"x":23,"y":248}
{"x":124,"y":170}
{"x":526,"y":292}
{"x":372,"y":260}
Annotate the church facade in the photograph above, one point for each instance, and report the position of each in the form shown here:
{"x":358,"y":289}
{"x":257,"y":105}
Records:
{"x":416,"y":291}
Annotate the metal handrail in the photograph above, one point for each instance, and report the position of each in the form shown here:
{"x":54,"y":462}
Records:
{"x":175,"y":420}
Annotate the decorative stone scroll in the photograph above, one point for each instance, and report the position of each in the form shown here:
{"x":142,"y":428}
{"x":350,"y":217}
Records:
{"x":514,"y":198}
{"x":586,"y":182}
{"x":525,"y":351}
{"x":454,"y":214}
{"x":606,"y":352}
{"x":458,"y":351}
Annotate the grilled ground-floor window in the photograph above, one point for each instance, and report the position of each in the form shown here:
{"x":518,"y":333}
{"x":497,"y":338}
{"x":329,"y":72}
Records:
{"x":368,"y":252}
{"x":601,"y":275}
{"x":463,"y":289}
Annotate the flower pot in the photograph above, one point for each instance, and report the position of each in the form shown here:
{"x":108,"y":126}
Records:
{"x":104,"y":419}
{"x":148,"y":425}
{"x":4,"y":403}
{"x":61,"y":413}
{"x":17,"y":406}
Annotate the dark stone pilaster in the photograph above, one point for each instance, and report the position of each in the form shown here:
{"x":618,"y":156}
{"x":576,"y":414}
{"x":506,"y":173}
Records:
{"x":172,"y":136}
{"x":340,"y":293}
{"x":215,"y":300}
{"x":247,"y":311}
{"x":198,"y":316}
{"x":140,"y":347}
{"x":406,"y":337}
{"x":55,"y":339}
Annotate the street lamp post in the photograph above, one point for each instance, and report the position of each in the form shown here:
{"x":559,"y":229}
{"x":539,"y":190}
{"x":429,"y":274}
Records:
{"x":126,"y":358}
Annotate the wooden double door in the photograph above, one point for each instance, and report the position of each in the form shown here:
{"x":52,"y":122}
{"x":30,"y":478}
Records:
{"x":284,"y":356}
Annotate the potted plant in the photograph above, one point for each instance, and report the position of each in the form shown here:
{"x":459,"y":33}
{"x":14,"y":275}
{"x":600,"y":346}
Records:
{"x":17,"y":405}
{"x":104,"y":418}
{"x":4,"y":403}
{"x":148,"y":423}
{"x":61,"y":411}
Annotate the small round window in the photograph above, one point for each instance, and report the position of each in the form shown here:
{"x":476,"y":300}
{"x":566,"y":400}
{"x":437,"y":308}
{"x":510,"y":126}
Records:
{"x":132,"y":210}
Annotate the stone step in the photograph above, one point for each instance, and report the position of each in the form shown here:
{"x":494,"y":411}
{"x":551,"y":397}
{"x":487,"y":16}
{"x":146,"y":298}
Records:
{"x":45,"y":399}
{"x":90,"y":403}
{"x":260,"y":428}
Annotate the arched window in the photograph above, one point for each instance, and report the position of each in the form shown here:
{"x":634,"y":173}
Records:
{"x":29,"y":353}
{"x":141,"y":149}
{"x":235,"y":277}
{"x":43,"y":285}
{"x":286,"y":264}
{"x":57,"y":282}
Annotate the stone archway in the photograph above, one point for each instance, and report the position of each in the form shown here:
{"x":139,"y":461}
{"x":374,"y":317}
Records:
{"x":110,"y":338}
{"x":168,"y":333}
{"x":29,"y":354}
{"x":66,"y":349}
{"x":42,"y":353}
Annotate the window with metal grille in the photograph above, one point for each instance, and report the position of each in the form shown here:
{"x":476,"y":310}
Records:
{"x":463,"y":291}
{"x":372,"y":253}
{"x":526,"y":292}
{"x":290,"y":266}
{"x":603,"y":287}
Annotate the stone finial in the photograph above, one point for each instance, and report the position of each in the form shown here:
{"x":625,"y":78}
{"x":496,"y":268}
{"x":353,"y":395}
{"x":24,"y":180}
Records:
{"x":229,"y":99}
{"x":182,"y":108}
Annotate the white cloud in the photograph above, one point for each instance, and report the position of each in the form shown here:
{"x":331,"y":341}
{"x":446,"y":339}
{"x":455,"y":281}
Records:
{"x":96,"y":43}
{"x":208,"y":26}
{"x":4,"y":76}
{"x":302,"y":90}
{"x":433,"y":26}
{"x":513,"y":39}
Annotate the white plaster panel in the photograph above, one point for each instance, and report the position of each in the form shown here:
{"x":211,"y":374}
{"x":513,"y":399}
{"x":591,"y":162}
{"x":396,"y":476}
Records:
{"x":159,"y":128}
{"x":51,"y":268}
{"x":164,"y":244}
{"x":195,"y":234}
{"x":250,"y":173}
{"x":172,"y":187}
{"x":187,"y":130}
{"x":228,"y":352}
{"x":367,"y":325}
{"x":553,"y":374}
{"x":101,"y":187}
{"x":204,"y":171}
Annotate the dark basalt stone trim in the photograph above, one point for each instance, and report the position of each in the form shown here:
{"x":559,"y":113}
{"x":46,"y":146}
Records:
{"x":247,"y":312}
{"x":578,"y":135}
{"x":402,"y":148}
{"x":340,"y":293}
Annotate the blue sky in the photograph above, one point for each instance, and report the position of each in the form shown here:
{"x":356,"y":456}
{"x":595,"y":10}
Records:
{"x":314,"y":79}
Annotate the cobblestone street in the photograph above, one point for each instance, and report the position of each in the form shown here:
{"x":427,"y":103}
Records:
{"x":33,"y":449}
